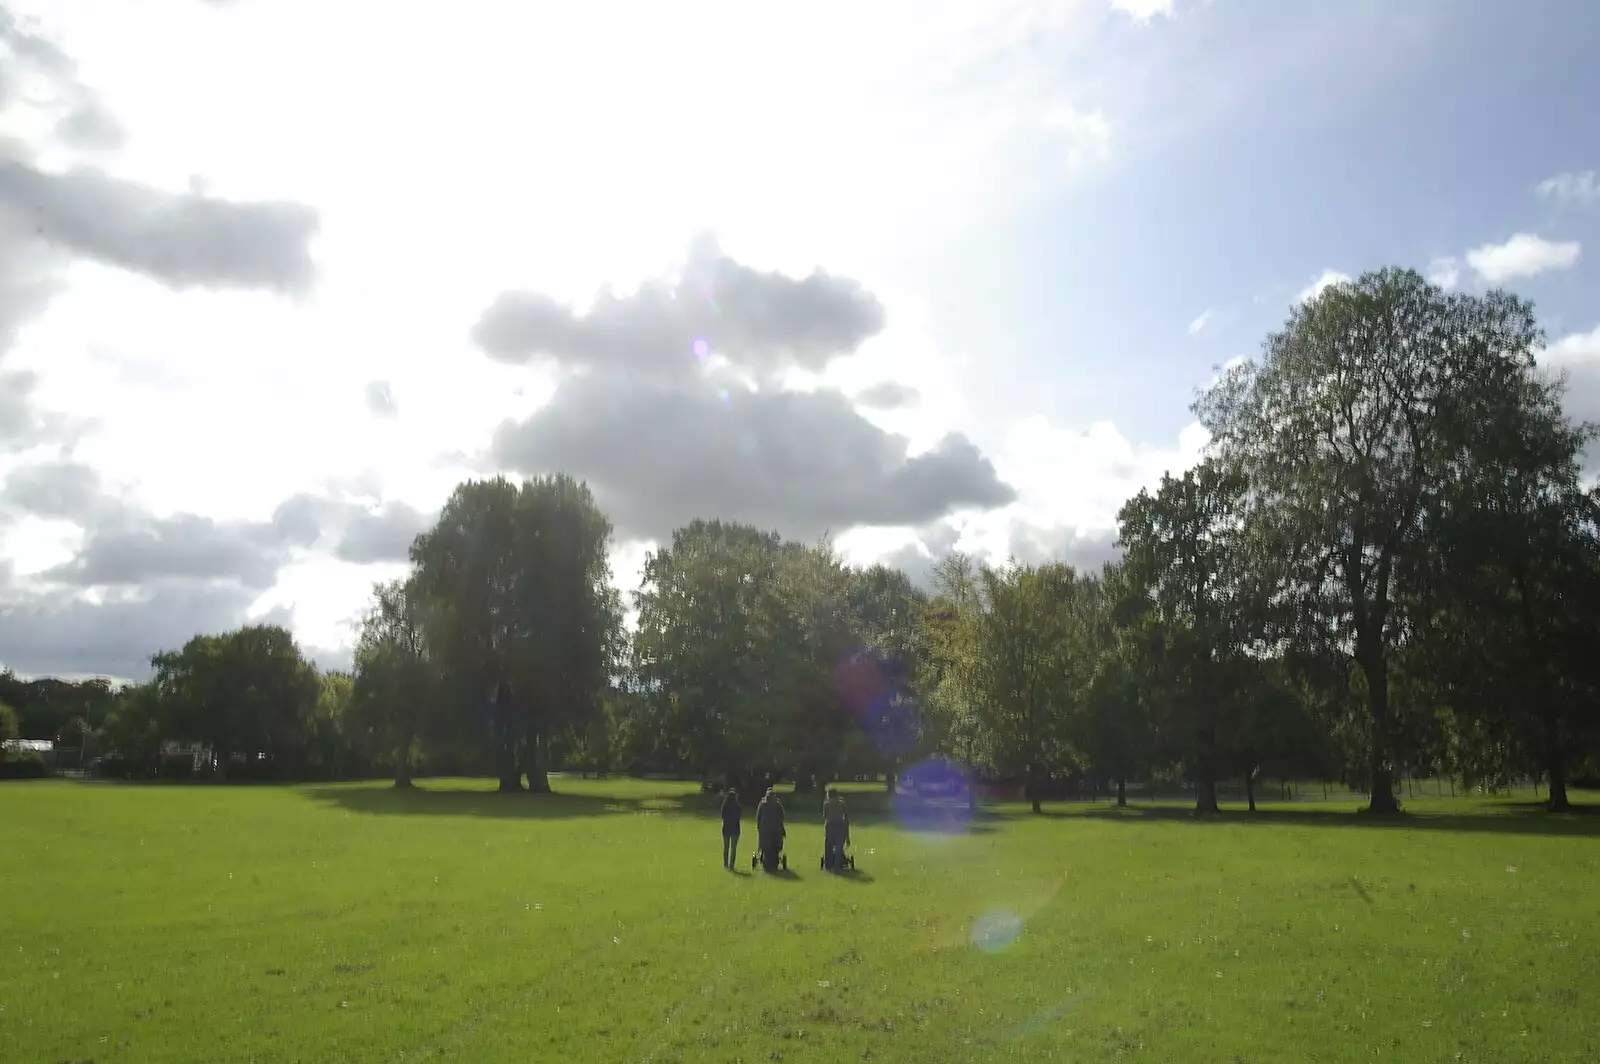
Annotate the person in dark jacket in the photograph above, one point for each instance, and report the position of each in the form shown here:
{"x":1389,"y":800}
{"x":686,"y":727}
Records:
{"x":731,"y":812}
{"x":835,"y":830}
{"x":770,"y":830}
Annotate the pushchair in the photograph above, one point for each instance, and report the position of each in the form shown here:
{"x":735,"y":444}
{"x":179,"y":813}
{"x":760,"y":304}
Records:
{"x":841,"y":858}
{"x":770,"y":855}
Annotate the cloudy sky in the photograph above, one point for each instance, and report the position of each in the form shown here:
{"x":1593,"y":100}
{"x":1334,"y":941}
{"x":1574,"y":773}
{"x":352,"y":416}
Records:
{"x":276,"y":274}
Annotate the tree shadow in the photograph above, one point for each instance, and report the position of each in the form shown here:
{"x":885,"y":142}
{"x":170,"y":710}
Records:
{"x":421,"y":800}
{"x":1514,"y":818}
{"x":803,"y":811}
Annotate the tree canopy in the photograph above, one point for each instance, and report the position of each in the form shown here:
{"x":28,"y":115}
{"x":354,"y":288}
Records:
{"x":1387,"y":563}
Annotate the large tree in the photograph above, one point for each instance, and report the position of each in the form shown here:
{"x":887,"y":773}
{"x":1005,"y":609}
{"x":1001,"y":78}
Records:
{"x":715,"y":653}
{"x":1372,"y":400}
{"x":1030,"y":665}
{"x":1513,"y":619}
{"x":246,"y":692}
{"x":519,"y":609}
{"x":1185,"y":550}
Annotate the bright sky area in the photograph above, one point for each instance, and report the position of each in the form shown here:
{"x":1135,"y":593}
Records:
{"x":246,"y":248}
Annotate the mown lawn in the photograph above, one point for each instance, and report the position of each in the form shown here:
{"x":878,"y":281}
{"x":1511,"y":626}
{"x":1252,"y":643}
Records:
{"x":353,"y":923}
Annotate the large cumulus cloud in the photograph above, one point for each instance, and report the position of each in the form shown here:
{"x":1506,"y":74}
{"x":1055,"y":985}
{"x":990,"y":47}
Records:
{"x":671,"y":404}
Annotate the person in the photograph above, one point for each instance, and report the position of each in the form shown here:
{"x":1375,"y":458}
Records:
{"x":835,"y":829}
{"x":731,"y":812}
{"x":769,"y":829}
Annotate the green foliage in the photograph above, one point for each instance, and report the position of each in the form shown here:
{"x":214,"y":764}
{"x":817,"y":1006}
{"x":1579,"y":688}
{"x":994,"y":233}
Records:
{"x":515,"y":601}
{"x":1385,"y":564}
{"x":1377,"y":401}
{"x":247,"y":692}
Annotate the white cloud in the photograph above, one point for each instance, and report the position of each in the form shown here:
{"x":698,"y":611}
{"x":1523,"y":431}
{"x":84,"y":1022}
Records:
{"x":223,"y":404}
{"x":1577,"y":189}
{"x":1323,"y":281}
{"x":1524,"y":255}
{"x":1199,"y":323}
{"x":1077,"y":477}
{"x":1444,"y":271}
{"x":1144,"y":10}
{"x":1575,"y":349}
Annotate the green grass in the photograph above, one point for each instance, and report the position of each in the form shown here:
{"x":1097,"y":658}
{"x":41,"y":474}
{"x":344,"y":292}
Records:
{"x":354,"y":923}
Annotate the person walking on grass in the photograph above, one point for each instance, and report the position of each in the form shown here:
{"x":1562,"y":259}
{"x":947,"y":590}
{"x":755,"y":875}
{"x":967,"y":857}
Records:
{"x":731,"y":812}
{"x":835,"y":829}
{"x":770,"y":830}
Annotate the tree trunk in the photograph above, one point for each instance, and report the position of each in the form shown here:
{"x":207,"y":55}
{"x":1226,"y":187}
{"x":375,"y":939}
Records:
{"x":1122,"y":792}
{"x":538,"y":759}
{"x":1031,"y":787}
{"x":402,"y":765}
{"x":510,"y":764}
{"x":1205,"y":767}
{"x":888,"y":780}
{"x":1250,"y":789}
{"x":1559,"y":803}
{"x":1382,"y":781}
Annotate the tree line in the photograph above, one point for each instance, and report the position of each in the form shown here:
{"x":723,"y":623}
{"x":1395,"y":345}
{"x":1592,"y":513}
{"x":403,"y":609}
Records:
{"x":1387,"y":564}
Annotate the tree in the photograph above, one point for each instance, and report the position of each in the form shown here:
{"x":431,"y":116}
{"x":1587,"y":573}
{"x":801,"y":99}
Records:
{"x":132,"y":730}
{"x":716,"y":652}
{"x":1371,"y":401}
{"x":1184,"y":549}
{"x":330,"y":724}
{"x":946,"y":680}
{"x":886,"y":605}
{"x":1114,"y":727}
{"x":516,"y":585}
{"x":8,"y":727}
{"x":1028,"y":664}
{"x":397,"y":687}
{"x":245,"y":692}
{"x":1514,"y":618}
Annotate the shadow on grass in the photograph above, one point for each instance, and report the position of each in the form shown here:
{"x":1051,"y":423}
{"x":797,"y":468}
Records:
{"x":867,"y":811}
{"x":1516,"y":818}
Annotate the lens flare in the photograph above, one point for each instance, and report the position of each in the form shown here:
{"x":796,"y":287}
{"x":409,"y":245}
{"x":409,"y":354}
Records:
{"x":934,"y":796}
{"x":995,"y":930}
{"x":701,"y":348}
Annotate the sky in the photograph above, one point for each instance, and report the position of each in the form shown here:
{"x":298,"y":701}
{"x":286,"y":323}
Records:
{"x":921,"y":276}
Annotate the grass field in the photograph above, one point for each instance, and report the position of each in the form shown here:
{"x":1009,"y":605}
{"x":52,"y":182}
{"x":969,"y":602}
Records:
{"x":355,"y":923}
